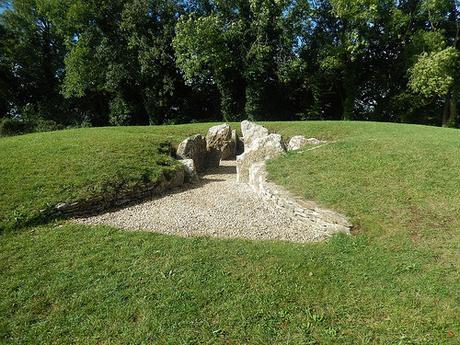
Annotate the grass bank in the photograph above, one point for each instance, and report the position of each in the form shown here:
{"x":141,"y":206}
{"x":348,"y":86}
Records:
{"x":41,"y":170}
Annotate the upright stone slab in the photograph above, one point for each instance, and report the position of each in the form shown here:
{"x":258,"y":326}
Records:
{"x":252,"y":131}
{"x":261,"y":149}
{"x":194,"y":148}
{"x":219,"y":144}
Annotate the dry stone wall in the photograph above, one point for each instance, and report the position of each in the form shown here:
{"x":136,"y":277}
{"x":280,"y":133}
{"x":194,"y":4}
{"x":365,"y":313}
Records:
{"x":322,"y":222}
{"x":103,"y":203}
{"x":260,"y":146}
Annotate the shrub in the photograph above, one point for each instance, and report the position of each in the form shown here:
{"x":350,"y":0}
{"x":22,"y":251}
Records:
{"x":46,"y":126}
{"x":120,"y":112}
{"x":13,"y":127}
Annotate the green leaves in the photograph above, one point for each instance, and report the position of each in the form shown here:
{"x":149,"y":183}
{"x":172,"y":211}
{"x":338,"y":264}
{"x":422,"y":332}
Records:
{"x":79,"y":67}
{"x":434,"y":74}
{"x":158,"y":61}
{"x":200,"y":47}
{"x":436,"y":9}
{"x":247,"y":49}
{"x":356,"y":10}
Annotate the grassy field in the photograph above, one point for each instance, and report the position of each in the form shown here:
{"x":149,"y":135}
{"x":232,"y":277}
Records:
{"x":396,"y":281}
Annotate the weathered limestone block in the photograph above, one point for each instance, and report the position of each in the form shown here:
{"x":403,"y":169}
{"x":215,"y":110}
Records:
{"x":219,"y":145}
{"x":190,"y":171}
{"x":300,"y":141}
{"x":261,"y":149}
{"x":251,"y":132}
{"x":194,"y":148}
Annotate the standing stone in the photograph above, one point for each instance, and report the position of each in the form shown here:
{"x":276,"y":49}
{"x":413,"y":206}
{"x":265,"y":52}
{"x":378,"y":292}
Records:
{"x":261,"y":149}
{"x":194,"y":148}
{"x":239,"y":145}
{"x":251,"y":132}
{"x":190,"y":171}
{"x":229,"y":149}
{"x":300,"y":141}
{"x":219,"y":144}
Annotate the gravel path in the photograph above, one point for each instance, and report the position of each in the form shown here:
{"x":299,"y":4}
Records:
{"x":217,"y":206}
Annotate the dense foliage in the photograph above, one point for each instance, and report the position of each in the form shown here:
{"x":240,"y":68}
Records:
{"x":117,"y":62}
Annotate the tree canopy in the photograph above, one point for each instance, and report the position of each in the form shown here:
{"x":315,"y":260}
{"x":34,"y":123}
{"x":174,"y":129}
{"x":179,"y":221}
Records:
{"x":75,"y":62}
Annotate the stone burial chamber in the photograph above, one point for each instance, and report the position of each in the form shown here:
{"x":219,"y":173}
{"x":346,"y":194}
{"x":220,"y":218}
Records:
{"x":245,"y":204}
{"x":258,"y":145}
{"x":220,"y":143}
{"x":199,"y":153}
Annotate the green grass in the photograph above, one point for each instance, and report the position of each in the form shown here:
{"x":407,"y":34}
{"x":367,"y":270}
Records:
{"x":390,"y":179}
{"x":396,"y":281}
{"x":41,"y":170}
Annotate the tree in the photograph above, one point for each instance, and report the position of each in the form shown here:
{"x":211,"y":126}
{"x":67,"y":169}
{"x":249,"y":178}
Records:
{"x":32,"y":54}
{"x":203,"y":47}
{"x":435,"y":72}
{"x":166,"y":61}
{"x":243,"y":47}
{"x":6,"y":76}
{"x":122,"y":51}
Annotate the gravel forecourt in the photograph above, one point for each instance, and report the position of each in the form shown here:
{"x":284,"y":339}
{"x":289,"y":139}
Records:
{"x":217,"y":206}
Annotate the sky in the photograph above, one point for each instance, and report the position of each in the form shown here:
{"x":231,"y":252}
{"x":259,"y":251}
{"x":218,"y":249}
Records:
{"x":4,"y":5}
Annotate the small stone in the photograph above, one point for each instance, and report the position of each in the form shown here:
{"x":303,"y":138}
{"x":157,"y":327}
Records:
{"x":299,"y":141}
{"x":60,"y":206}
{"x":190,"y":171}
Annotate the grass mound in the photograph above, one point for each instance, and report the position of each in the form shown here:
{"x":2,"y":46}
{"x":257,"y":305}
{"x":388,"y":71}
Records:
{"x":395,"y":282}
{"x":41,"y":170}
{"x":391,"y":179}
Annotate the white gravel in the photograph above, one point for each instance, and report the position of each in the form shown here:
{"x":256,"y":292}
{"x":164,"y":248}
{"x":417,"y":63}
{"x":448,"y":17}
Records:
{"x":217,"y":206}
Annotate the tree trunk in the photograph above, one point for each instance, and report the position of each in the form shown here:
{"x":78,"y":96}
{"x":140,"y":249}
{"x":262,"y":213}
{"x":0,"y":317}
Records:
{"x":350,"y":93}
{"x":452,"y":122}
{"x":445,"y":113}
{"x":231,"y":102}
